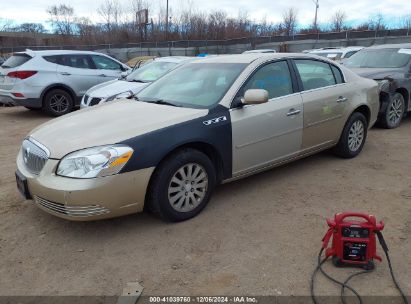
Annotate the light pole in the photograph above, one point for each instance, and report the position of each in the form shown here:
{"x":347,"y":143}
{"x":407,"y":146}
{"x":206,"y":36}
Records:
{"x":317,"y":5}
{"x":167,"y":21}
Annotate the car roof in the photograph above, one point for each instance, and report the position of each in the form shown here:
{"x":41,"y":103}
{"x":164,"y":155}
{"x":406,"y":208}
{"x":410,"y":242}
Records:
{"x":260,"y":51}
{"x":55,"y":52}
{"x":250,"y":57}
{"x":176,"y":59}
{"x":391,"y":46}
{"x":331,"y":50}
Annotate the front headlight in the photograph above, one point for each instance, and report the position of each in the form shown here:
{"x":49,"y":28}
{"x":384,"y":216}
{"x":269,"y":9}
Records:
{"x":95,"y":162}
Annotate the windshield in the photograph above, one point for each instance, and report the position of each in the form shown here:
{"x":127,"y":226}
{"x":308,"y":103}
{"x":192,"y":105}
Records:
{"x":151,"y":71}
{"x":197,"y":85}
{"x":381,"y":58}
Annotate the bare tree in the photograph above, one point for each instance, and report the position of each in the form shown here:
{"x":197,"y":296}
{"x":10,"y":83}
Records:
{"x":406,"y":23}
{"x":338,"y":21}
{"x":111,"y":12}
{"x":5,"y":24}
{"x":377,"y":23}
{"x":62,"y":19}
{"x":30,"y":28}
{"x":289,"y":23}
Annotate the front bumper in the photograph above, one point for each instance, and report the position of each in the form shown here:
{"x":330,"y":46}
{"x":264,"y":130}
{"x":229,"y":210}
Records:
{"x":86,"y":199}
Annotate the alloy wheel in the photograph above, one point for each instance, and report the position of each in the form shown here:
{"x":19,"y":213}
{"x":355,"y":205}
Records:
{"x":396,"y":111}
{"x":356,"y":136}
{"x":188,"y":187}
{"x":59,"y":103}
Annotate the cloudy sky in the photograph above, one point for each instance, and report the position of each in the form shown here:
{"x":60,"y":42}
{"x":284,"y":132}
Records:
{"x":356,"y":10}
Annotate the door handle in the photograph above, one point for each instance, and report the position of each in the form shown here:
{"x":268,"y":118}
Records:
{"x":65,"y":73}
{"x":342,"y":99}
{"x":102,"y":75}
{"x":293,"y":112}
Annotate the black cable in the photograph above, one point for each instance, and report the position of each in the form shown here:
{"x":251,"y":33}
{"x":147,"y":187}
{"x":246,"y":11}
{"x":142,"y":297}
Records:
{"x":385,"y":249}
{"x":319,"y":268}
{"x":346,"y":282}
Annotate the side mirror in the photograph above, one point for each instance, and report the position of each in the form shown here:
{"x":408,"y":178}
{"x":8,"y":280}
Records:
{"x":255,"y":96}
{"x":123,"y":75}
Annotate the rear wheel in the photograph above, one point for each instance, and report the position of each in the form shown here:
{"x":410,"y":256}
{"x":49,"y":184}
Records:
{"x":394,"y":113}
{"x":58,"y":102}
{"x":353,"y":136}
{"x":182,"y":185}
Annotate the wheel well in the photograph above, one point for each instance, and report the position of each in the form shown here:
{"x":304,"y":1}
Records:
{"x":365,"y":111}
{"x":207,"y":149}
{"x":405,"y":94}
{"x":60,"y":87}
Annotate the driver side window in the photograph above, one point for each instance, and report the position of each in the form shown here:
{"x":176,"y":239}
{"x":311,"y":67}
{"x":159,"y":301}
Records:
{"x":274,"y":77}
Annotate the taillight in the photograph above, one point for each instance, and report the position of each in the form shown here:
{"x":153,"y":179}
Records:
{"x":21,"y":74}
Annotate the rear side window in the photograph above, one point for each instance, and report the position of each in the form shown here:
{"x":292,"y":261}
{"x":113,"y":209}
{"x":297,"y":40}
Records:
{"x":104,"y":63}
{"x":338,"y":75}
{"x":315,"y":74}
{"x":75,"y":61}
{"x":274,"y":77}
{"x":16,"y":60}
{"x":52,"y":59}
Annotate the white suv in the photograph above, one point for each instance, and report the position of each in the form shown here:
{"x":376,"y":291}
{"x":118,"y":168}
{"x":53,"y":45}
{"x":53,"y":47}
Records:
{"x":134,"y":82}
{"x":54,"y":81}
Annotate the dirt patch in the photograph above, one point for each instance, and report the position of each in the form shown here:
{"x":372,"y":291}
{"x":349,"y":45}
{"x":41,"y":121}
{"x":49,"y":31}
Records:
{"x":258,"y":236}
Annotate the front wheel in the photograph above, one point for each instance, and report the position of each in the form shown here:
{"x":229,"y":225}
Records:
{"x":394,"y":113}
{"x":182,"y":185}
{"x":58,"y":102}
{"x":353,"y":136}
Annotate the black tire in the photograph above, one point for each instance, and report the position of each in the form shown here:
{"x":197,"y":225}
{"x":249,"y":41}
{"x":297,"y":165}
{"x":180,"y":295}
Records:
{"x":344,"y":148}
{"x":161,"y":183}
{"x":33,"y":109}
{"x":394,"y":112}
{"x":58,"y":102}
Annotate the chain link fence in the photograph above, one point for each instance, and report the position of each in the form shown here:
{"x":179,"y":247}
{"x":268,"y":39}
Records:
{"x":345,"y":35}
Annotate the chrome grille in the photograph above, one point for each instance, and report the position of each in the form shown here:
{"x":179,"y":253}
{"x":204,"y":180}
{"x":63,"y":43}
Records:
{"x":34,"y":156}
{"x":74,"y":211}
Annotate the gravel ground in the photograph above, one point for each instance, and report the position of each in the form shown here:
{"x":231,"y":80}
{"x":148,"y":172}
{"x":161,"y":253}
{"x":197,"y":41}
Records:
{"x":258,"y":236}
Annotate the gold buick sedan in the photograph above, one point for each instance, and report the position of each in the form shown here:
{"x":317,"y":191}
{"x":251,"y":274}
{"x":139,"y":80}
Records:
{"x":207,"y":122}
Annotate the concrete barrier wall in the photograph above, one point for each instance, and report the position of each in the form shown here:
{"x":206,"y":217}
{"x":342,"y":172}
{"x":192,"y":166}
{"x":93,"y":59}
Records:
{"x":125,"y":54}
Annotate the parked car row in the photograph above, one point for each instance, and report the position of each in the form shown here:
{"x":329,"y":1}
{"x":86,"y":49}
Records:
{"x":205,"y":122}
{"x":132,"y":83}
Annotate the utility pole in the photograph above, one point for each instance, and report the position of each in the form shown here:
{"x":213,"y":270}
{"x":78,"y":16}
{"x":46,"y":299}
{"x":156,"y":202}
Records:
{"x":167,"y":21}
{"x":317,"y":5}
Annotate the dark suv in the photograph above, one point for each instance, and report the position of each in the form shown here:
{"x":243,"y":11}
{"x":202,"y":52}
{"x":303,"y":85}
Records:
{"x":390,"y":66}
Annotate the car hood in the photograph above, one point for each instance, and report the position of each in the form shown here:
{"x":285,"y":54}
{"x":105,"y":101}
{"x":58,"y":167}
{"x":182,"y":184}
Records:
{"x":114,"y":87}
{"x":377,"y":73}
{"x":109,"y":123}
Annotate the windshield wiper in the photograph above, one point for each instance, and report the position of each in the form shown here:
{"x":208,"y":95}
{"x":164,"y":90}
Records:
{"x":138,"y":80}
{"x":161,"y":102}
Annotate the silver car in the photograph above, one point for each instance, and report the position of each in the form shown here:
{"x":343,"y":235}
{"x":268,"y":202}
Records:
{"x":133,"y":83}
{"x":207,"y":122}
{"x":54,"y":81}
